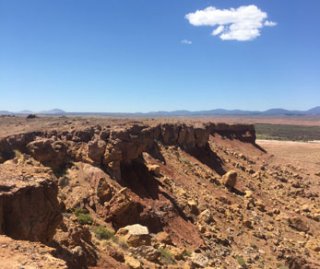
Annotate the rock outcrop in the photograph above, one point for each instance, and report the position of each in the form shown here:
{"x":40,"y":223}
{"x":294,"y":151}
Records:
{"x":154,"y":195}
{"x":29,"y":209}
{"x":49,"y":152}
{"x":241,"y":132}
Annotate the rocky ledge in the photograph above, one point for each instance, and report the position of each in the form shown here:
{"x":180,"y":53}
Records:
{"x":160,"y":195}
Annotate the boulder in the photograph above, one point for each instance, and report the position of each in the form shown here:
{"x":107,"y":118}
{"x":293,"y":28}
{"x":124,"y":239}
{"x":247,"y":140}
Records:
{"x":230,"y":179}
{"x":135,"y":235}
{"x":121,"y":210}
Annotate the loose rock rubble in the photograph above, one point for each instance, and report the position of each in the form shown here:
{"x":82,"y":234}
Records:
{"x":153,"y":195}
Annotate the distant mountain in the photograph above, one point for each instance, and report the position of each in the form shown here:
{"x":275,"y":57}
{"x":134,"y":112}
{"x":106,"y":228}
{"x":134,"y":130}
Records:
{"x":280,"y":111}
{"x":236,"y":112}
{"x":226,"y":112}
{"x":5,"y":112}
{"x":183,"y":113}
{"x":314,"y":111}
{"x":55,"y":111}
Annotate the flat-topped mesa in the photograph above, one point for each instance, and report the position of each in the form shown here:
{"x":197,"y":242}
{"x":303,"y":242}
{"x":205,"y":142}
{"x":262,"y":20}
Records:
{"x":242,"y":132}
{"x":109,"y":147}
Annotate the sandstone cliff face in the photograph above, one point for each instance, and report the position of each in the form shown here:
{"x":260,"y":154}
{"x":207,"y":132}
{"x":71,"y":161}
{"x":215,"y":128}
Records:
{"x":29,"y":209}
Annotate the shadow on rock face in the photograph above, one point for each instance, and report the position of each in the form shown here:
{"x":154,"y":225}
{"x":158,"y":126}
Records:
{"x":209,"y":158}
{"x":136,"y":176}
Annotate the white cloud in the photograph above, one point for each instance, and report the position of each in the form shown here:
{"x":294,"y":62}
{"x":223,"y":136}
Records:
{"x":186,"y":42}
{"x":218,"y":30}
{"x":241,"y":24}
{"x":270,"y":23}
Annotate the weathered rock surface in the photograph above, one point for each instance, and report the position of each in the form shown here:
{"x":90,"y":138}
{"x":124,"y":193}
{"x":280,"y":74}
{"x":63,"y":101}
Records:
{"x":74,"y":244}
{"x":135,"y":235}
{"x":230,"y":179}
{"x":49,"y":152}
{"x":152,"y":195}
{"x":29,"y":209}
{"x":24,"y":254}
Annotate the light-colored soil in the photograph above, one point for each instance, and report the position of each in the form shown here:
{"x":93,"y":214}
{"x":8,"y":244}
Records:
{"x":302,"y":154}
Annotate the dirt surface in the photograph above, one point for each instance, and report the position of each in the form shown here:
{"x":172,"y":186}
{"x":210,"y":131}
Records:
{"x":23,"y":254}
{"x":304,"y":154}
{"x":157,"y":193}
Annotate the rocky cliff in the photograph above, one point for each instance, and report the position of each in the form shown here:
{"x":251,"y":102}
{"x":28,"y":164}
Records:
{"x":156,"y":195}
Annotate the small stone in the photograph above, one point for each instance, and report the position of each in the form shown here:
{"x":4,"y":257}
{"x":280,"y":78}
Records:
{"x":193,"y":206}
{"x":298,"y":224}
{"x":247,"y":194}
{"x":205,"y":216}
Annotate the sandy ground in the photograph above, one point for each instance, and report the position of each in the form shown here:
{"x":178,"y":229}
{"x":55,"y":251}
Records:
{"x":305,"y":154}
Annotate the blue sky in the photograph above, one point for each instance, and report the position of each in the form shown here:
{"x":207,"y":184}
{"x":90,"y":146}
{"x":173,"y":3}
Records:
{"x":128,"y":56}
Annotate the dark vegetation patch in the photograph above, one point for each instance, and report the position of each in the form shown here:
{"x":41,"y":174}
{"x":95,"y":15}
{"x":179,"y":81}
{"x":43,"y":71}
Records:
{"x":103,"y":233}
{"x":83,"y":216}
{"x":287,"y":132}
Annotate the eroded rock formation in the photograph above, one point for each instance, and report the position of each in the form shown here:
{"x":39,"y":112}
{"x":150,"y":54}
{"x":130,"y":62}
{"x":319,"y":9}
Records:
{"x":29,"y":209}
{"x":205,"y":193}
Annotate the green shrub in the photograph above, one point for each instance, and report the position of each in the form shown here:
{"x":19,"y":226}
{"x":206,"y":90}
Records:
{"x":103,"y":233}
{"x":83,"y":216}
{"x":166,"y":256}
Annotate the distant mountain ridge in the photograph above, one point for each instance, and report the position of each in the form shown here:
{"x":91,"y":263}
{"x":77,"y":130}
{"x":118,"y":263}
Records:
{"x":214,"y":112}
